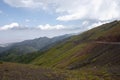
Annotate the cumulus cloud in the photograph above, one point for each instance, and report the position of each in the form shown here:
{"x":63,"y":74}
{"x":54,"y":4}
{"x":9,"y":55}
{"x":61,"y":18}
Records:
{"x":17,"y":26}
{"x":50,"y":27}
{"x":102,"y":10}
{"x":85,"y":23}
{"x":10,"y":26}
{"x":74,"y":16}
{"x":95,"y":9}
{"x":97,"y":24}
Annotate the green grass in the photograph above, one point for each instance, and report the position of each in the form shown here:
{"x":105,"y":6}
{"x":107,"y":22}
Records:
{"x":57,"y":54}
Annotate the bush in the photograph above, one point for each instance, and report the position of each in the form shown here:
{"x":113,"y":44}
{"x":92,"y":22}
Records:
{"x":1,"y":62}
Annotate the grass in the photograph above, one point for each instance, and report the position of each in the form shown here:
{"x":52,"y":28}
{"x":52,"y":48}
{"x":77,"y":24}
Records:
{"x":78,"y":48}
{"x":15,"y":71}
{"x":55,"y":55}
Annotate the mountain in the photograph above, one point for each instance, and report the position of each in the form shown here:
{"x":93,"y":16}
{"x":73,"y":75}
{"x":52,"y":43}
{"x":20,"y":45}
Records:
{"x":29,"y":46}
{"x":16,"y":51}
{"x":6,"y":44}
{"x":91,"y":55}
{"x":96,"y":48}
{"x":3,"y":48}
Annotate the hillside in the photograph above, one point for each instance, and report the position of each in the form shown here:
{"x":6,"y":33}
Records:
{"x":24,"y":51}
{"x":93,"y":48}
{"x":15,"y":71}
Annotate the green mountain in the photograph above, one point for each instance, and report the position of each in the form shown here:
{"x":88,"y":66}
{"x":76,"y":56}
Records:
{"x":33,"y":45}
{"x":96,"y":47}
{"x":27,"y":50}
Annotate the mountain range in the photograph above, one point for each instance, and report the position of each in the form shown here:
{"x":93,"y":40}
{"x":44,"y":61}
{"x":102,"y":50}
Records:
{"x":12,"y":51}
{"x":91,"y":55}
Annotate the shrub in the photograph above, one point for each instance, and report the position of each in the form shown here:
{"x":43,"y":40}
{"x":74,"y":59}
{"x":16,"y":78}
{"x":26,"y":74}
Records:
{"x":1,"y":62}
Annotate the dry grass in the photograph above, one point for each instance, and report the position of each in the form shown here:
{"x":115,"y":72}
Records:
{"x":12,"y":71}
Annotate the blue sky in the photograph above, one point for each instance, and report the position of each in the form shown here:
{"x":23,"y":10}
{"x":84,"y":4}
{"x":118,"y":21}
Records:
{"x":28,"y":19}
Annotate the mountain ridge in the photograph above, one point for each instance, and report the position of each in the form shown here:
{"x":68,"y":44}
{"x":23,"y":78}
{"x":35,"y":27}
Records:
{"x":75,"y":52}
{"x":17,"y":50}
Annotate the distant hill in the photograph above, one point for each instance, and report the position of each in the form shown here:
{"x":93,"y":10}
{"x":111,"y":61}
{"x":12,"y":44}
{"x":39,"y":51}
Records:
{"x":15,"y":51}
{"x":1,"y":49}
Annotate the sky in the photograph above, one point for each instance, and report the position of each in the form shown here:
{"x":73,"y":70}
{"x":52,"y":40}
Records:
{"x":28,"y":19}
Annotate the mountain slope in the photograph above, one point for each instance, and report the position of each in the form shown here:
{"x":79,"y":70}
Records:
{"x":14,"y":71}
{"x":18,"y":52}
{"x":86,"y":49}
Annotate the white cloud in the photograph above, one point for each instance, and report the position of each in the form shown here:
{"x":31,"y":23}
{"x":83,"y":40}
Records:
{"x":74,"y":10}
{"x":10,"y":26}
{"x":16,"y":26}
{"x":97,"y":24}
{"x":85,"y":23}
{"x":49,"y":27}
{"x":69,"y":17}
{"x":94,"y":9}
